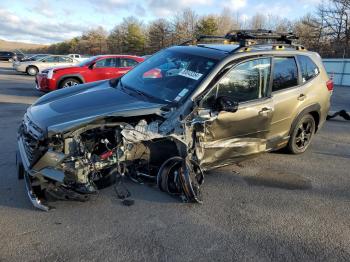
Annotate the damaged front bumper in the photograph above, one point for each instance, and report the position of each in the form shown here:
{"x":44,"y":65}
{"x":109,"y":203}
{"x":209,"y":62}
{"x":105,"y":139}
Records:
{"x":48,"y":170}
{"x":23,"y":172}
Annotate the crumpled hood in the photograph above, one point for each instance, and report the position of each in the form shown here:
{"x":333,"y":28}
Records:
{"x":73,"y":106}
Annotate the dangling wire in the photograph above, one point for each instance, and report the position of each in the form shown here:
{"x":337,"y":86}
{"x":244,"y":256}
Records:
{"x":122,"y":192}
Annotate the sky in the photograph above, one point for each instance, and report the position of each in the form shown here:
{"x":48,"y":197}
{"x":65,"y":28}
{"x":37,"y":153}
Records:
{"x":45,"y":21}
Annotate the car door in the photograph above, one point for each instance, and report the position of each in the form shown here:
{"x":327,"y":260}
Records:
{"x":47,"y":62}
{"x":103,"y":69}
{"x":124,"y":65}
{"x":287,"y":98}
{"x":230,"y":136}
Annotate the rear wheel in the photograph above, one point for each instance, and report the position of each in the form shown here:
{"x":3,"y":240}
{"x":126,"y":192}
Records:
{"x":69,"y":82}
{"x":32,"y":70}
{"x":302,"y":135}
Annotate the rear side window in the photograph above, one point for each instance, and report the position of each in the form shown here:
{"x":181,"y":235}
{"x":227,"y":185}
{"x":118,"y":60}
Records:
{"x":308,"y":68}
{"x":126,"y":62}
{"x":50,"y":59}
{"x":285,"y":73}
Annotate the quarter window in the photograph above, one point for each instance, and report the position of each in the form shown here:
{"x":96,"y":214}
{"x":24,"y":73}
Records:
{"x":308,"y":68}
{"x":285,"y":73}
{"x":247,"y":81}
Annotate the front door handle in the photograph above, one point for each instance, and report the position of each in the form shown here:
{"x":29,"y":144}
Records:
{"x":301,"y":97}
{"x":265,"y":111}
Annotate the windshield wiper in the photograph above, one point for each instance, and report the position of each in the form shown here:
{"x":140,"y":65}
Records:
{"x":139,"y":92}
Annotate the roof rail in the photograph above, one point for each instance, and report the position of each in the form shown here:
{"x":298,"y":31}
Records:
{"x":246,"y":38}
{"x":199,"y":38}
{"x":243,"y":36}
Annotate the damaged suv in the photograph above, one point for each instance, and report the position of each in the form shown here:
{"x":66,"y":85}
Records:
{"x":185,"y":110}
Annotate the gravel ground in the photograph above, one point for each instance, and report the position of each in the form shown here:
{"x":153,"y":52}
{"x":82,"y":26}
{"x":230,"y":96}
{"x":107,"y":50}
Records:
{"x":276,"y":207}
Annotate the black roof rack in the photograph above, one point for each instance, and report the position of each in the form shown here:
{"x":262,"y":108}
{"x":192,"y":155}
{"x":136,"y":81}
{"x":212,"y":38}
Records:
{"x":243,"y":36}
{"x":246,"y":38}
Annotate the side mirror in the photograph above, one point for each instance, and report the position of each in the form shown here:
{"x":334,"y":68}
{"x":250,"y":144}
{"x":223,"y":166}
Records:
{"x":224,"y":103}
{"x":91,"y":66}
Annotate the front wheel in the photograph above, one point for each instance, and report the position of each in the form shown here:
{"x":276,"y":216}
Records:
{"x":302,"y":135}
{"x":32,"y":70}
{"x":69,"y":82}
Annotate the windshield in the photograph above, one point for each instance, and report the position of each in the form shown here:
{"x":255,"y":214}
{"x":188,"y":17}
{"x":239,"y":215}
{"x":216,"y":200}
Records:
{"x":87,"y":61}
{"x":168,"y":75}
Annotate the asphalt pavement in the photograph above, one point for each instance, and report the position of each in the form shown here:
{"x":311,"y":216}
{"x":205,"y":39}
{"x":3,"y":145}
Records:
{"x":276,"y":207}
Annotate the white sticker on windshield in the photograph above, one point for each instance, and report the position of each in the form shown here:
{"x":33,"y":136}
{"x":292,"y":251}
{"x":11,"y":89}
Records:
{"x":190,"y":74}
{"x":181,"y":94}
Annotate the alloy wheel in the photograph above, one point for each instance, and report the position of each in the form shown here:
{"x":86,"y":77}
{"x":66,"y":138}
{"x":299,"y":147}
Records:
{"x":304,"y":133}
{"x":70,"y":83}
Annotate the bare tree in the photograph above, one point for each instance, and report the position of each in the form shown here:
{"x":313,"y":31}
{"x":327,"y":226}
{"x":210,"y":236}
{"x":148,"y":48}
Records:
{"x":159,"y":35}
{"x":335,"y":24}
{"x":227,"y":21}
{"x":258,"y":21}
{"x":184,"y":25}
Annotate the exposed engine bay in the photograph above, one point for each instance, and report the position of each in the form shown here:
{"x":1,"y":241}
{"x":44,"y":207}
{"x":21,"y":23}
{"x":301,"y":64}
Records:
{"x":76,"y":164}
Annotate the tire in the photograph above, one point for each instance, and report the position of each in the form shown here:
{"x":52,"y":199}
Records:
{"x":302,"y":135}
{"x":32,"y":70}
{"x":69,"y":82}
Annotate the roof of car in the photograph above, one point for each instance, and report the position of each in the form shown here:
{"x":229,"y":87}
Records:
{"x":212,"y":51}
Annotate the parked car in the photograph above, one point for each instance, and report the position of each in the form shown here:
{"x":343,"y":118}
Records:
{"x":185,"y":110}
{"x":10,"y":56}
{"x":93,"y":69}
{"x":28,"y":58}
{"x":78,"y":57}
{"x":34,"y":67}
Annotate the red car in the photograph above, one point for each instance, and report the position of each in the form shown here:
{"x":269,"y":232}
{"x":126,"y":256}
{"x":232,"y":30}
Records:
{"x":93,"y":69}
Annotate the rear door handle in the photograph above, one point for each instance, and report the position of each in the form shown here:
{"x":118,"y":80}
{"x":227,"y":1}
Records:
{"x":301,"y":97}
{"x":265,"y":111}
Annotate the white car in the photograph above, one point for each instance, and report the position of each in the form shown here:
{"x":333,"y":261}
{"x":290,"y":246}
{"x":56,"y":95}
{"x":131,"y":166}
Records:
{"x":77,"y":57}
{"x":34,"y":67}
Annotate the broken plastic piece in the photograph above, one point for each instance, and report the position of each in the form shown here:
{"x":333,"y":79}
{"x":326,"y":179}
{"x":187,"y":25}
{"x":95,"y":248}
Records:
{"x":191,"y":178}
{"x":32,"y":197}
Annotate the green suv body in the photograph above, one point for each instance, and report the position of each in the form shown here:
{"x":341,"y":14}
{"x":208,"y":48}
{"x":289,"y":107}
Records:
{"x":182,"y":111}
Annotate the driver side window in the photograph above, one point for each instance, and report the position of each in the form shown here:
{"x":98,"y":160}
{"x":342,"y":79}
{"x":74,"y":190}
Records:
{"x":50,"y":59}
{"x":107,"y":62}
{"x":245,"y":82}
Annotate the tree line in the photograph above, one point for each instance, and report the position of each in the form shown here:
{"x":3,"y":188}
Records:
{"x":326,"y":31}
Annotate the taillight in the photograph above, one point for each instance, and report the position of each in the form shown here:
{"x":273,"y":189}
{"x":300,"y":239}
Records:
{"x":330,"y":85}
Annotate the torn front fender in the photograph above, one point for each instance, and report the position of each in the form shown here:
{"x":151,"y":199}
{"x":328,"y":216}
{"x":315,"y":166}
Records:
{"x":226,"y":151}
